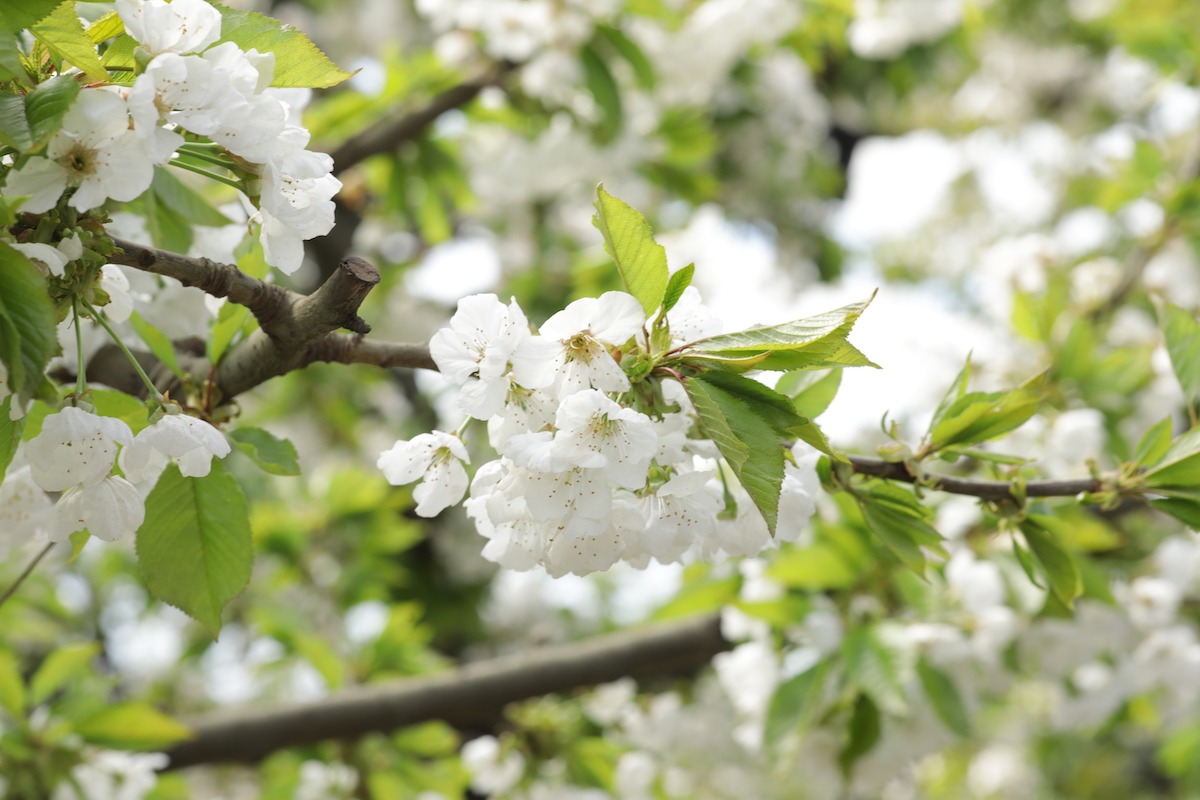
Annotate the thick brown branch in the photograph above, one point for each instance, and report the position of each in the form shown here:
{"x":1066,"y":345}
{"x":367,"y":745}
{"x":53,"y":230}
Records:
{"x":471,"y":696}
{"x":388,"y":134}
{"x":998,"y":491}
{"x":219,"y":280}
{"x":342,"y":348}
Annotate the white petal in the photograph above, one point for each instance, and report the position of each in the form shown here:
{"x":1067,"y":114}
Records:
{"x":109,"y":510}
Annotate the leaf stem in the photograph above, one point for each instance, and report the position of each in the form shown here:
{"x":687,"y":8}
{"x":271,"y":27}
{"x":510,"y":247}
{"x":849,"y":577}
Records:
{"x":138,"y":367}
{"x":81,"y":366}
{"x":204,"y":155}
{"x":26,"y":572}
{"x":211,"y":175}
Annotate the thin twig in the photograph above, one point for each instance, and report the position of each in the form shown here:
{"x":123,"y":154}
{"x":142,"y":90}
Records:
{"x":25,"y":573}
{"x":998,"y":491}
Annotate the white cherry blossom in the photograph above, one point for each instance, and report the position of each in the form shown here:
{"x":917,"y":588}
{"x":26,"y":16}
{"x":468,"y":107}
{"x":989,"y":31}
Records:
{"x":94,"y":151}
{"x":297,"y":199}
{"x":593,"y":431}
{"x":188,"y":442}
{"x":182,"y":26}
{"x":183,"y":91}
{"x":75,"y":447}
{"x":113,"y":775}
{"x":585,"y":330}
{"x":487,"y":349}
{"x":52,"y":258}
{"x":24,"y":509}
{"x":682,"y":511}
{"x":109,"y":510}
{"x":436,"y":456}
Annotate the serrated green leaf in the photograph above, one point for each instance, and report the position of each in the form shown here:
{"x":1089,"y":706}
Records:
{"x":1043,"y":535}
{"x":274,"y":455}
{"x":895,"y":530}
{"x":63,"y":665}
{"x":1182,"y":335}
{"x":1180,"y":465}
{"x":811,"y":434}
{"x":11,"y":66}
{"x":818,"y":567}
{"x":162,"y":347}
{"x":901,"y":522}
{"x":1154,"y":444}
{"x":106,"y":27}
{"x":878,"y":669}
{"x":10,"y":435}
{"x":19,"y":14}
{"x":64,"y":36}
{"x":230,"y":320}
{"x":944,"y":697}
{"x":132,"y":726}
{"x":679,"y":281}
{"x":195,"y":547}
{"x":298,"y":62}
{"x":766,"y":402}
{"x":641,"y":261}
{"x":186,"y":201}
{"x":747,"y":441}
{"x":14,"y":126}
{"x":599,"y":81}
{"x":118,"y":56}
{"x":28,"y":335}
{"x":804,"y":343}
{"x":45,"y":106}
{"x":978,"y":417}
{"x":12,"y":688}
{"x":955,"y":392}
{"x":796,"y":702}
{"x":866,"y":728}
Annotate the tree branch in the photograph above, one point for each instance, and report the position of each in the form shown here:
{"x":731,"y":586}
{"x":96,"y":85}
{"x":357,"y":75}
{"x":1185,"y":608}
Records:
{"x":388,"y":134}
{"x":471,"y":696}
{"x":998,"y":491}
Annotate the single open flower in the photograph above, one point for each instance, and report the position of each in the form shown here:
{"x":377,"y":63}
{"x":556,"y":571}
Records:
{"x":108,"y":510}
{"x":436,"y":456}
{"x":74,"y":448}
{"x":189,"y":442}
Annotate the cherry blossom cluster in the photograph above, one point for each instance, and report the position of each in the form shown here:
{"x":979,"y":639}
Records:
{"x":75,"y":453}
{"x":584,"y":478}
{"x":112,"y":137}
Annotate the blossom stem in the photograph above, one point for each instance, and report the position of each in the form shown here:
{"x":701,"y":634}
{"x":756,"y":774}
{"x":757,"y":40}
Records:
{"x":28,"y":569}
{"x":204,"y":155}
{"x":212,"y":175}
{"x":81,"y":366}
{"x":138,"y":367}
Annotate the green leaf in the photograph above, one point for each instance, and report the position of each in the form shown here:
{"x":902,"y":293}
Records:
{"x":864,"y":732}
{"x":1182,"y":335}
{"x":19,"y":14}
{"x":64,"y":36}
{"x":28,"y":336}
{"x":1180,"y":465}
{"x":1154,"y":444}
{"x":11,"y":66}
{"x":45,"y":106}
{"x":12,"y":688}
{"x":643,"y":70}
{"x":230,"y":319}
{"x":978,"y":417}
{"x":679,"y":281}
{"x":747,"y":441}
{"x":1044,"y":535}
{"x":901,"y":522}
{"x":298,"y":62}
{"x":958,"y":388}
{"x":796,"y":702}
{"x":803,"y":343}
{"x":1186,"y":511}
{"x":818,"y":567}
{"x":132,"y":726}
{"x":162,"y":347}
{"x":811,"y":392}
{"x":943,"y":695}
{"x":629,"y":240}
{"x":119,"y":55}
{"x":106,"y":27}
{"x":186,"y":201}
{"x":766,"y":402}
{"x":125,"y":407}
{"x":167,"y":229}
{"x":14,"y":125}
{"x":195,"y":547}
{"x":10,"y":434}
{"x":599,"y":81}
{"x":812,"y":435}
{"x":274,"y":455}
{"x":64,"y":664}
